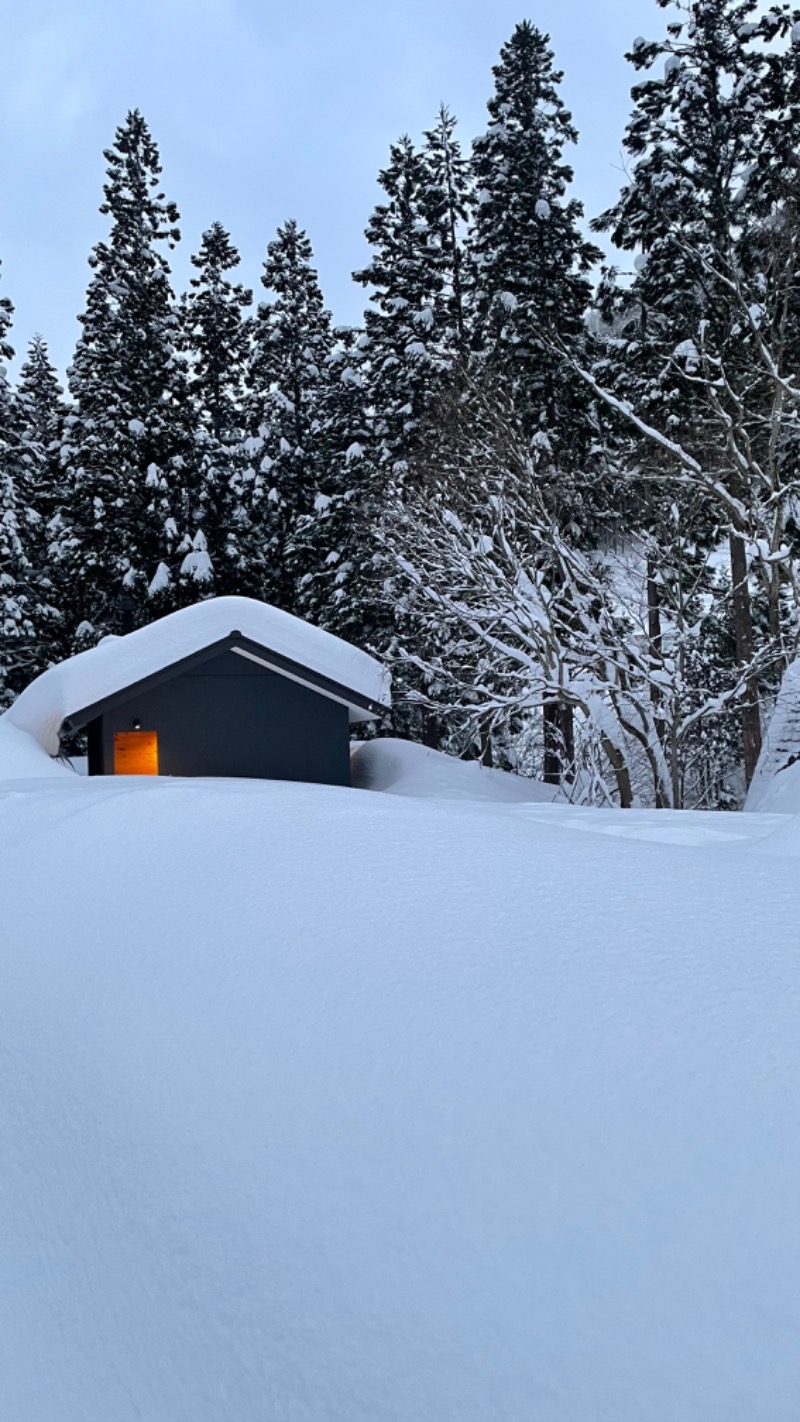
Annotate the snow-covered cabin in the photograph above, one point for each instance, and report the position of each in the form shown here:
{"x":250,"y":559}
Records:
{"x":228,"y":687}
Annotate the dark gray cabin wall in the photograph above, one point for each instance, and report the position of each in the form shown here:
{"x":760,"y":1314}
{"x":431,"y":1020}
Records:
{"x":232,"y":717}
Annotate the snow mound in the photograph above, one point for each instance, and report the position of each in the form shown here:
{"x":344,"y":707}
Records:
{"x":777,"y":793}
{"x":21,"y":755}
{"x":325,"y":1105}
{"x":405,"y":768}
{"x":776,"y":783}
{"x":64,"y":690}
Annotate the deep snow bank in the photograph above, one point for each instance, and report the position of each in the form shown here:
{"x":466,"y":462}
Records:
{"x":324,"y":1105}
{"x":777,"y":793}
{"x":22,"y":756}
{"x":405,"y":768}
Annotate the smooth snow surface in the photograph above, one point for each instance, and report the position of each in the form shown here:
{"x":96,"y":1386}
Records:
{"x":405,"y":768}
{"x":120,"y":661}
{"x":327,"y":1106}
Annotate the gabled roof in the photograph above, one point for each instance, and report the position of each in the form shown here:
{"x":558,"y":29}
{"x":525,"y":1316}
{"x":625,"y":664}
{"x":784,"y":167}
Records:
{"x":80,"y":688}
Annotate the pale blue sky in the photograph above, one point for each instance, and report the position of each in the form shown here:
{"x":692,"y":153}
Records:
{"x":263,"y":111}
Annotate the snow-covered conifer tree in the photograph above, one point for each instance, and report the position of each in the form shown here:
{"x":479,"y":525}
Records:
{"x":37,"y":420}
{"x":26,"y":616}
{"x":6,"y":353}
{"x":447,"y":205}
{"x":124,"y":442}
{"x":216,"y":341}
{"x":335,"y":543}
{"x":14,"y":623}
{"x":529,"y":291}
{"x":39,"y":412}
{"x":530,"y":263}
{"x":17,"y":627}
{"x":286,"y":380}
{"x":406,"y":281}
{"x":414,"y":324}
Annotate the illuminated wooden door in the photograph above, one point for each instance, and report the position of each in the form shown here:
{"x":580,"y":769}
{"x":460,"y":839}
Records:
{"x":136,"y":753}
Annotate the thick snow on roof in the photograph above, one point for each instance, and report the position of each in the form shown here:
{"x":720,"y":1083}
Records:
{"x":119,"y":662}
{"x":342,"y":1107}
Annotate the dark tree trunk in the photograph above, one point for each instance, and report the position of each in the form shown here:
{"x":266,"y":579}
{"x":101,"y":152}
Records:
{"x":568,"y":741}
{"x":431,"y":730}
{"x":655,"y":639}
{"x":621,"y":773}
{"x":559,"y":741}
{"x":745,"y":650}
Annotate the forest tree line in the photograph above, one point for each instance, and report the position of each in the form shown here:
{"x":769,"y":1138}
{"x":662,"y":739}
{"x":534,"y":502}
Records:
{"x":558,"y":494}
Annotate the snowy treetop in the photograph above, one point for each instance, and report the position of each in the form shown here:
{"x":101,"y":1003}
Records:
{"x":119,"y":662}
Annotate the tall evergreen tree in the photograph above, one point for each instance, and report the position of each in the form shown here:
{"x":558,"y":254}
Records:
{"x":529,"y":267}
{"x":17,"y":625}
{"x":216,"y":333}
{"x":406,"y":283}
{"x":25,"y":613}
{"x":448,"y":204}
{"x":14,"y":625}
{"x":336,"y":541}
{"x":6,"y":353}
{"x":39,"y":414}
{"x":216,"y":342}
{"x":690,"y":139}
{"x":286,"y":379}
{"x":124,"y":444}
{"x":415,"y":338}
{"x":530,"y":262}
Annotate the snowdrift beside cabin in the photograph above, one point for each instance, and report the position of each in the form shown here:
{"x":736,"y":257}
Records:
{"x":119,"y":662}
{"x":22,"y":756}
{"x":405,"y":768}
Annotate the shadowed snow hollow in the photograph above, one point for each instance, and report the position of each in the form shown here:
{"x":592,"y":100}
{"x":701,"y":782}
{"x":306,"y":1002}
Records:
{"x":405,"y":768}
{"x":345,"y":1107}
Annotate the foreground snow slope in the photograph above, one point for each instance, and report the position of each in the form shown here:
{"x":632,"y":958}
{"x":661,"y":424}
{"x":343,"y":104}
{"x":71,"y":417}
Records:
{"x":342,"y":1107}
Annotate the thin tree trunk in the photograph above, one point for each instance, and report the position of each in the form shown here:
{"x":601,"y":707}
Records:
{"x":675,"y":766}
{"x":568,"y":741}
{"x":431,"y":730}
{"x":552,"y":760}
{"x":621,"y":773}
{"x":559,"y":741}
{"x":745,"y":650}
{"x":775,"y":629}
{"x":552,"y":743}
{"x":656,"y":640}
